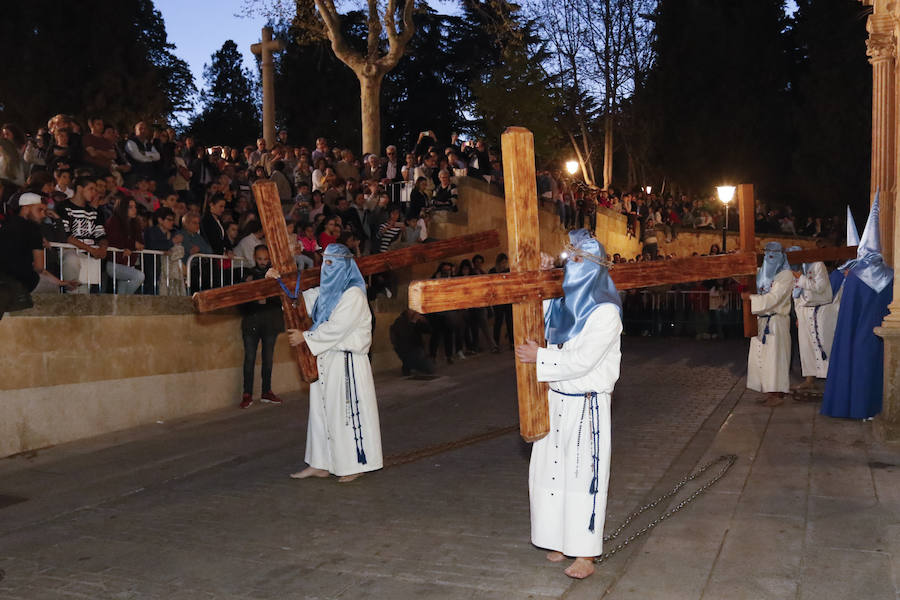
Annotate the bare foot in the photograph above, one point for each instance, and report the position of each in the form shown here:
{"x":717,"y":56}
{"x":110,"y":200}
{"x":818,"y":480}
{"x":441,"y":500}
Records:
{"x":807,"y":384}
{"x":774,"y":399}
{"x":349,"y":478}
{"x":310,"y":472}
{"x":581,"y":568}
{"x":555,"y":556}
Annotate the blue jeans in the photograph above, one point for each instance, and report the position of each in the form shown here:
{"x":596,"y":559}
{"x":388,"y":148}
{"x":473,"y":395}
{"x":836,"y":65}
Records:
{"x":127,"y":279}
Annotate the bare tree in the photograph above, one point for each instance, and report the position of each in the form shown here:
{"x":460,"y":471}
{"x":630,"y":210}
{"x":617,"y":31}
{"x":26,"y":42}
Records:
{"x":561,"y":25}
{"x":385,"y":45}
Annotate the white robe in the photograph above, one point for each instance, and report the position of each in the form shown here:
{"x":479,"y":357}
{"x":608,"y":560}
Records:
{"x":768,"y":364}
{"x":338,"y":425}
{"x":815,"y":320}
{"x":561,"y":469}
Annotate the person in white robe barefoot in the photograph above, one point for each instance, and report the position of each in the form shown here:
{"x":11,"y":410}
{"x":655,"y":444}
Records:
{"x":343,"y":435}
{"x":569,"y":471}
{"x":769,"y":359}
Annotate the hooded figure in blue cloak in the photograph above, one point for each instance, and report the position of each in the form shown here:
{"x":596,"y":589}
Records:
{"x":769,"y":359}
{"x":855,"y":381}
{"x":569,"y":470}
{"x":343,"y":434}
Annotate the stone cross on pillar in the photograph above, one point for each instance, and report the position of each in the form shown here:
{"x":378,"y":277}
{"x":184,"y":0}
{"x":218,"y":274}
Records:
{"x":265,"y":50}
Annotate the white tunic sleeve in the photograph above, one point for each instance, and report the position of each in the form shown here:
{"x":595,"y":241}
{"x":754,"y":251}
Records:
{"x":339,"y":325}
{"x":781,"y":288}
{"x":309,"y":298}
{"x":816,"y":285}
{"x":604,"y":326}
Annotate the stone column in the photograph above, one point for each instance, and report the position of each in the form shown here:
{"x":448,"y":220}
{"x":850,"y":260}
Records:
{"x":267,"y":65}
{"x":882,"y":52}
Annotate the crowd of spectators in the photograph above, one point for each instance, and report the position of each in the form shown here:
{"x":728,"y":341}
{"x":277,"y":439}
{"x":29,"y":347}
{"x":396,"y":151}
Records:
{"x":652,"y":216}
{"x":150,"y":189}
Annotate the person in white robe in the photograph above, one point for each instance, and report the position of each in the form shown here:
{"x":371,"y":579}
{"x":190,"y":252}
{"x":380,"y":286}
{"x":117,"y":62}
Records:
{"x":569,"y":471}
{"x":769,"y":359}
{"x":343,"y":434}
{"x":815,"y":325}
{"x":817,"y":300}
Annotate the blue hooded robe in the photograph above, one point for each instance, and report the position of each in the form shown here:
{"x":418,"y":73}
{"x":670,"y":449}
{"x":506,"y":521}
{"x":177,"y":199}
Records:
{"x":855,"y":383}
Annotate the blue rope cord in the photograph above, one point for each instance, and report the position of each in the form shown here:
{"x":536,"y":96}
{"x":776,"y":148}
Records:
{"x":287,"y":292}
{"x":590,"y":400}
{"x":816,"y":330}
{"x":766,"y":330}
{"x":353,"y":401}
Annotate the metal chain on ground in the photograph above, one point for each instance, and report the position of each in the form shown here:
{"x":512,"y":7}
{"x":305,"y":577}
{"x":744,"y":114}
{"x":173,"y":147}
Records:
{"x":728,"y":459}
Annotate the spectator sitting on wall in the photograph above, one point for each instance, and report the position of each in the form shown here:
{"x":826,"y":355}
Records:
{"x":406,"y":337}
{"x":86,"y":233}
{"x":21,"y":246}
{"x":418,"y":198}
{"x":123,"y":231}
{"x":416,"y":231}
{"x":211,"y":226}
{"x":246,"y":248}
{"x":445,"y":194}
{"x":192,"y":240}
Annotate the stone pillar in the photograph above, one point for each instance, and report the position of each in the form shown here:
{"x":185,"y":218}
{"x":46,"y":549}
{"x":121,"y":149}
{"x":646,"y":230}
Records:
{"x":881,"y":47}
{"x":267,"y":65}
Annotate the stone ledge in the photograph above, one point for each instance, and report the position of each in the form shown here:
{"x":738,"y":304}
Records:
{"x":69,"y":305}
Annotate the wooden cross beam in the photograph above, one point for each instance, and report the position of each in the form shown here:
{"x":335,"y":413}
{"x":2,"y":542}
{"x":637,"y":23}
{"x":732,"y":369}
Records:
{"x":282,"y":258}
{"x":251,"y":291}
{"x":526,"y":286}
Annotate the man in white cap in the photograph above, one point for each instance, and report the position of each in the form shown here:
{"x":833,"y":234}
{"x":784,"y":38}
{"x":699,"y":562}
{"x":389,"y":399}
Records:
{"x":22,"y":249}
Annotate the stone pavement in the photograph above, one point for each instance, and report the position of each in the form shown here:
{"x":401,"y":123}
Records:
{"x":203,"y":508}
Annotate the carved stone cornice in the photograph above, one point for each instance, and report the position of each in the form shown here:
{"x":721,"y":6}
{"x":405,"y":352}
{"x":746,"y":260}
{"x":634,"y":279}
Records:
{"x":881,"y":46}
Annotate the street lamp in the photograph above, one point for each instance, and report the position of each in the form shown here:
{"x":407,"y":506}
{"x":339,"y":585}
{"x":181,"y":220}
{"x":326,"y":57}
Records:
{"x":648,"y":189}
{"x":726,"y":195}
{"x":572,"y":167}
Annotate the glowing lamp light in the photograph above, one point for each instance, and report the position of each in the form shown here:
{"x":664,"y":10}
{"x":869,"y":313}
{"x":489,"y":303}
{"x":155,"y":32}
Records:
{"x":726,"y":193}
{"x":572,"y":167}
{"x":564,"y":255}
{"x":648,"y":189}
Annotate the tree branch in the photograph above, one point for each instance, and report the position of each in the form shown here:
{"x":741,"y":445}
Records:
{"x":339,"y":44}
{"x":375,"y":30}
{"x":397,"y":42}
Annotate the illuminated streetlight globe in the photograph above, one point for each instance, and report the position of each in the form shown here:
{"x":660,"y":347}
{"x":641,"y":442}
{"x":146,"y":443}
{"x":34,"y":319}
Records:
{"x":572,"y":167}
{"x":648,"y":189}
{"x":726,"y":193}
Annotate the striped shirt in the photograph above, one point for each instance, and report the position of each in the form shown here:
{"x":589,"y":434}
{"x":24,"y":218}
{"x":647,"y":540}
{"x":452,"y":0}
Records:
{"x":81,"y":222}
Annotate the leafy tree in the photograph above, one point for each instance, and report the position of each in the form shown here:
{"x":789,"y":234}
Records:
{"x":230,"y":114}
{"x":106,"y":57}
{"x":515,"y":92}
{"x":832,"y":105}
{"x":718,"y":93}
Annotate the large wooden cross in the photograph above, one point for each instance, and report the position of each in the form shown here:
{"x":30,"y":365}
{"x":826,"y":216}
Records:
{"x":282,"y":259}
{"x":525,"y":287}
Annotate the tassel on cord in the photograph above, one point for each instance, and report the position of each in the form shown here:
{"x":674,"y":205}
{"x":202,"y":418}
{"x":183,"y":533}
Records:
{"x":353,"y":399}
{"x":595,"y":453}
{"x":766,"y":330}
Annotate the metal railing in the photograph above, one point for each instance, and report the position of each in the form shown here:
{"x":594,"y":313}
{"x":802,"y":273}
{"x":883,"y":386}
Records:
{"x":197,"y":278}
{"x":683,"y":313}
{"x":155,"y":265}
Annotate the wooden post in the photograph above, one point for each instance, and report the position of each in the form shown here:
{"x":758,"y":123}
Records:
{"x":523,"y":235}
{"x":282,"y":258}
{"x":747,"y":216}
